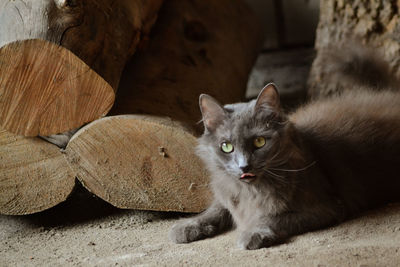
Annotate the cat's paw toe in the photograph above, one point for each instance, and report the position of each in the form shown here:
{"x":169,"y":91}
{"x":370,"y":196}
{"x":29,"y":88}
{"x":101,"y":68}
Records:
{"x":189,"y":231}
{"x":256,"y":239}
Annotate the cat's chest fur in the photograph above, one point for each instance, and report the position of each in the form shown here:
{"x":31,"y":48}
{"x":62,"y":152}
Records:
{"x":247,"y":202}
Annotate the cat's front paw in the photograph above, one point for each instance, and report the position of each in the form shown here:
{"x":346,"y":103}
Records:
{"x":190,"y":230}
{"x":262,"y":238}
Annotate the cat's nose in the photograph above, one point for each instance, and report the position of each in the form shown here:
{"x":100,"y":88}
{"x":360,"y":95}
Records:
{"x":245,"y":168}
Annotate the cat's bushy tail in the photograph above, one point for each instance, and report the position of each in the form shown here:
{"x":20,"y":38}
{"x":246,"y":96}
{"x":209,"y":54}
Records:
{"x":354,"y":64}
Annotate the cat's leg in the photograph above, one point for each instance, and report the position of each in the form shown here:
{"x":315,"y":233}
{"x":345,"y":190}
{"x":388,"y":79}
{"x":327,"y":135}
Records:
{"x":255,"y":238}
{"x":294,"y":223}
{"x":214,"y":220}
{"x":275,"y":229}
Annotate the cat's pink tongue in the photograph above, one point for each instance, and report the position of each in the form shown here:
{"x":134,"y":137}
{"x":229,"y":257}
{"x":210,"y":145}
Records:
{"x":247,"y":175}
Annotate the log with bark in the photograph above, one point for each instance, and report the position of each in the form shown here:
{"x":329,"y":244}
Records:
{"x":50,"y":53}
{"x":61,"y":60}
{"x":148,"y":161}
{"x":374,"y":24}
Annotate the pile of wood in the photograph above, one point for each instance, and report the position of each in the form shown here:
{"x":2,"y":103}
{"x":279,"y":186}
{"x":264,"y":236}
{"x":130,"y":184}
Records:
{"x":61,"y":65}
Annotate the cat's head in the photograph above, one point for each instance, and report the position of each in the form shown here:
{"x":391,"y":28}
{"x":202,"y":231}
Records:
{"x":241,"y":140}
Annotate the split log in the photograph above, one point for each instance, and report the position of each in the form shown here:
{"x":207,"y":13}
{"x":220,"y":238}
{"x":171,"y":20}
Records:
{"x":147,"y":161}
{"x":140,"y":162}
{"x":34,"y":175}
{"x":61,"y":61}
{"x":376,"y":24}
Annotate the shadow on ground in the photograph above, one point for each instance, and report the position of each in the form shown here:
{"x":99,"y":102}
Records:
{"x":80,"y":207}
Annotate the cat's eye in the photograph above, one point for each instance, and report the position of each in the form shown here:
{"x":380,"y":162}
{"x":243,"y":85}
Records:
{"x":259,"y":142}
{"x":226,"y":147}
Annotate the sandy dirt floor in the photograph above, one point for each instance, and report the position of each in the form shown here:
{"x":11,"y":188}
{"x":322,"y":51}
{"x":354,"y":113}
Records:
{"x":85,"y":231}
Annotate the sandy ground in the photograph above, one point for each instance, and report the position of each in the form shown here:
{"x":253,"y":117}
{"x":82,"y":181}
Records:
{"x":85,"y":231}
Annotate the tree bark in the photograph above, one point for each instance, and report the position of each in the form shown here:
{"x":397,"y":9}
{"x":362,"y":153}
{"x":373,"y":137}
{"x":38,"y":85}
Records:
{"x":375,"y":24}
{"x":61,"y":60}
{"x":34,"y":175}
{"x":148,"y":161}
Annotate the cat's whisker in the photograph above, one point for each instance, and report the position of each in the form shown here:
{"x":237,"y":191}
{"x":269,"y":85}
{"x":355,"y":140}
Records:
{"x":273,"y":174}
{"x":277,"y":153}
{"x":277,"y":163}
{"x":277,"y":178}
{"x":295,"y":170}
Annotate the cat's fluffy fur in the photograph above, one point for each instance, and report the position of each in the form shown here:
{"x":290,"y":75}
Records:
{"x":325,"y":162}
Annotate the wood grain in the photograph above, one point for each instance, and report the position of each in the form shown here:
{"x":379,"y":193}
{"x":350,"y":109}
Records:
{"x":140,"y":162}
{"x":45,"y":89}
{"x":53,"y":89}
{"x":34,"y":175}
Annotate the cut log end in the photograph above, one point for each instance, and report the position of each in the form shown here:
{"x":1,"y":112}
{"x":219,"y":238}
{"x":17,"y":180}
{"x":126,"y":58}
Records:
{"x":147,"y":163}
{"x":34,"y":175}
{"x":45,"y":89}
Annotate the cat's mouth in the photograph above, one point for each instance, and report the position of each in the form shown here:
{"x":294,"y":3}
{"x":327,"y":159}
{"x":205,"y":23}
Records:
{"x":247,"y":177}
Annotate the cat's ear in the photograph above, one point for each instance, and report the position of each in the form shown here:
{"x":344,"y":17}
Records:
{"x":268,"y":98}
{"x":213,"y":113}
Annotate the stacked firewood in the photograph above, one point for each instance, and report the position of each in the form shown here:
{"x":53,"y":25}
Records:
{"x":64,"y":64}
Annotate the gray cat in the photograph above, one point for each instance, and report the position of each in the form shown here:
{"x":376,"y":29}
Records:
{"x":275,"y":175}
